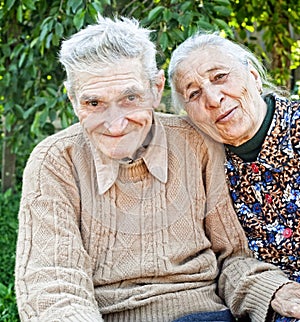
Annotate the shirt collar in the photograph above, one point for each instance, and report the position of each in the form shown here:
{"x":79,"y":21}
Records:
{"x":155,"y":157}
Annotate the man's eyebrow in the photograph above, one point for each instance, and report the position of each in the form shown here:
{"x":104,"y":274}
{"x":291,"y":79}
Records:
{"x":131,"y":90}
{"x":89,"y":97}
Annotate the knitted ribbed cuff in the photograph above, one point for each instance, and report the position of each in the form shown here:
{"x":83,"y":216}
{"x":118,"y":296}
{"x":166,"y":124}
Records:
{"x":259,"y":298}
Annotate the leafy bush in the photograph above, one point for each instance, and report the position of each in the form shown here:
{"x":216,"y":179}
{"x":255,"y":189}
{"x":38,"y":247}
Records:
{"x":9,"y":204}
{"x":8,"y":307}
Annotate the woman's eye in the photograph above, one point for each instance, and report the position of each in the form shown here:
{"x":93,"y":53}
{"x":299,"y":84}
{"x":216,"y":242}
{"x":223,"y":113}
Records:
{"x":220,"y":76}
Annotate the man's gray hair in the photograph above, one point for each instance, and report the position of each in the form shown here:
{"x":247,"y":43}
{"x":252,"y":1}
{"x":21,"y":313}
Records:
{"x":107,"y":42}
{"x":204,"y":41}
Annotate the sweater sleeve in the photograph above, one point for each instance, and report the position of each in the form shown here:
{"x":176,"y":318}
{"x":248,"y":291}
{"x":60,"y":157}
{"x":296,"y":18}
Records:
{"x":246,"y":284}
{"x":53,"y":270}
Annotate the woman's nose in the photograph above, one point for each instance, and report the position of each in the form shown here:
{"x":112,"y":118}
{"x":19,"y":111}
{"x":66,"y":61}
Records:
{"x":213,"y":96}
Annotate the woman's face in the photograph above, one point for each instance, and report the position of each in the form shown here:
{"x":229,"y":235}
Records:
{"x":221,"y":95}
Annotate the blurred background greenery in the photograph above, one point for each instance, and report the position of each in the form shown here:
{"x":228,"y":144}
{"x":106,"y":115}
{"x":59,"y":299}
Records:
{"x":33,"y":101}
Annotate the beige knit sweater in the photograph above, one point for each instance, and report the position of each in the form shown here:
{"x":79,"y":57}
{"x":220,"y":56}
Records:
{"x":141,"y":251}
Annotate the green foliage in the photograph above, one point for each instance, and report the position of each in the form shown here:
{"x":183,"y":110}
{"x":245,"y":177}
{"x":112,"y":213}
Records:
{"x":174,"y":21}
{"x":33,"y":101}
{"x":8,"y":307}
{"x":269,"y":28}
{"x":9,"y":204}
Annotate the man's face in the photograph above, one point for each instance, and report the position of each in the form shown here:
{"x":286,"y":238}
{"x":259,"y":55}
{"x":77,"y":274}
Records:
{"x":221,"y":95}
{"x":116,"y":107}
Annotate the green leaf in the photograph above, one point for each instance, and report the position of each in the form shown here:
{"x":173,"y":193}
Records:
{"x":35,"y":124}
{"x":22,"y":58}
{"x":164,"y":41}
{"x":9,"y":4}
{"x":29,"y":112}
{"x":154,"y":13}
{"x":185,"y":6}
{"x":64,"y":120}
{"x":48,"y":40}
{"x":6,"y":50}
{"x":223,"y":2}
{"x":52,"y":91}
{"x":79,"y":19}
{"x":52,"y":115}
{"x":33,"y":42}
{"x":55,"y":40}
{"x":202,"y":24}
{"x":224,"y":11}
{"x":43,"y":117}
{"x":177,"y":35}
{"x":97,"y":5}
{"x":186,"y":19}
{"x":74,"y":4}
{"x":167,"y":15}
{"x":29,"y":4}
{"x":20,"y":13}
{"x":59,"y":29}
{"x":10,"y":119}
{"x":19,"y":111}
{"x":44,"y":32}
{"x":221,"y":24}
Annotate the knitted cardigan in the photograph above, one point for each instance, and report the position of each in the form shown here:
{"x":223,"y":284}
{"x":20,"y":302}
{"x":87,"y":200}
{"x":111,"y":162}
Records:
{"x":143,"y":250}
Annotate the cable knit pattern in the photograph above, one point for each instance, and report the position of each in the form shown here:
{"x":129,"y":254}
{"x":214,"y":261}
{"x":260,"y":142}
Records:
{"x":141,"y":251}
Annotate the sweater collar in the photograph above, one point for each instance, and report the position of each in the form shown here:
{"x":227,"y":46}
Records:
{"x":154,"y":156}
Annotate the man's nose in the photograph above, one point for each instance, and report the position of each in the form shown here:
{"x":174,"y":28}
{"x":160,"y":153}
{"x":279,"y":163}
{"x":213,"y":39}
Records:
{"x":116,"y":120}
{"x":213,"y":96}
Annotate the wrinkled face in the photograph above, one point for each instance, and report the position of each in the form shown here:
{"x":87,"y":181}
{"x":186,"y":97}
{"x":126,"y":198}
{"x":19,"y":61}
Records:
{"x":221,"y":95}
{"x":116,"y":107}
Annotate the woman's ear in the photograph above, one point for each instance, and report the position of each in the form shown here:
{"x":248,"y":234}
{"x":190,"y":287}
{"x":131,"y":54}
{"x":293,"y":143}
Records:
{"x":256,"y":76}
{"x":159,"y":88}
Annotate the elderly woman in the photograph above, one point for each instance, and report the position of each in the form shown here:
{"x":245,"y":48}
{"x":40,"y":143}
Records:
{"x":226,"y":93}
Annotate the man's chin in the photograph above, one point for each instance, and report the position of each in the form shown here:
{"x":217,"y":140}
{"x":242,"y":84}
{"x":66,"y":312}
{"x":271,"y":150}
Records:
{"x":119,"y":156}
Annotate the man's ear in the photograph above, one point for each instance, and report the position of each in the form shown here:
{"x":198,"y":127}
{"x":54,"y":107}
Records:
{"x":73,"y":102}
{"x":159,"y":86}
{"x":256,"y":76}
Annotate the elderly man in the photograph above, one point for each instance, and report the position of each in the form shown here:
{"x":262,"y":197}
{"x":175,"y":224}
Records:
{"x":125,"y":216}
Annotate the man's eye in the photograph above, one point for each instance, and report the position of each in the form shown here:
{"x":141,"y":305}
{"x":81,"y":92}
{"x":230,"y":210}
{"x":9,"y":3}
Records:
{"x":193,"y":95}
{"x":93,"y":103}
{"x":131,"y":97}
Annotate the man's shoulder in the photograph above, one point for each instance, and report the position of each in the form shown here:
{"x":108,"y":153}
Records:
{"x":174,"y":120}
{"x":72,"y":133}
{"x":183,"y":123}
{"x":186,"y":130}
{"x":70,"y":138}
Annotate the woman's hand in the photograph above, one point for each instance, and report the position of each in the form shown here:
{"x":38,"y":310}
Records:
{"x":286,"y":300}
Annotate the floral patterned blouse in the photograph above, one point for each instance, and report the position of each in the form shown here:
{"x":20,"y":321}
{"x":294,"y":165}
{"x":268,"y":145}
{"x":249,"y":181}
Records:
{"x":266,"y":192}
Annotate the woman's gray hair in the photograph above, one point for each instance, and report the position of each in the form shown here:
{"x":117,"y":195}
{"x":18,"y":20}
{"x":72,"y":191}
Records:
{"x":204,"y":41}
{"x":107,"y":42}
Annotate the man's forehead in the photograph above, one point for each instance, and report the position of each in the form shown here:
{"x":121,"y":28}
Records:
{"x":117,"y":81}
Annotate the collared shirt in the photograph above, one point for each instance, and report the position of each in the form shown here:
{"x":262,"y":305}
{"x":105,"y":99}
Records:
{"x":154,"y":156}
